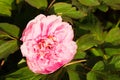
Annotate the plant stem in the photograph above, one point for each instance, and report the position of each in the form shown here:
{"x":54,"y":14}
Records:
{"x":74,"y":62}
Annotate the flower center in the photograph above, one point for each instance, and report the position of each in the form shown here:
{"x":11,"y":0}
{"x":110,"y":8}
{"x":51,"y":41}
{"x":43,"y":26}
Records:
{"x":47,"y":43}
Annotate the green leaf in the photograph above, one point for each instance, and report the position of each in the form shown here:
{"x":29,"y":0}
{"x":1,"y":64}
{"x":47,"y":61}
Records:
{"x":103,"y":8}
{"x":8,"y":47}
{"x":91,"y":76}
{"x":86,"y":41}
{"x":73,"y":75}
{"x":57,"y":74}
{"x":2,"y":41}
{"x":92,"y":24}
{"x":80,"y":55}
{"x":96,"y":72}
{"x":23,"y":74}
{"x":112,"y":51}
{"x":65,"y":9}
{"x":113,"y":35}
{"x":99,"y":66}
{"x":80,"y":7}
{"x":113,"y":4}
{"x":22,"y":63}
{"x":116,"y":62}
{"x":3,"y":35}
{"x":97,"y":51}
{"x":89,"y":2}
{"x":67,"y":19}
{"x":76,"y":71}
{"x":113,"y":77}
{"x":38,"y":3}
{"x":97,"y":31}
{"x":6,"y":7}
{"x":9,"y":29}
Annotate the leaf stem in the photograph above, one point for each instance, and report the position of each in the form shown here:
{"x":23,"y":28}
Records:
{"x":50,"y":4}
{"x":74,"y":62}
{"x":118,"y":23}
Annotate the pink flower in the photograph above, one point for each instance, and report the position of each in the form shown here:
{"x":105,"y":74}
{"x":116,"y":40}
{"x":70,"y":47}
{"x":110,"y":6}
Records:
{"x":47,"y":44}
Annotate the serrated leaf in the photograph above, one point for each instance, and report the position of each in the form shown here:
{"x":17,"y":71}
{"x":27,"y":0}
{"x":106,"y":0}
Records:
{"x":65,"y":9}
{"x":113,"y":35}
{"x":89,"y":2}
{"x":37,"y":3}
{"x":23,"y":74}
{"x":86,"y":41}
{"x":6,"y":7}
{"x":10,"y":29}
{"x":8,"y":47}
{"x":73,"y":75}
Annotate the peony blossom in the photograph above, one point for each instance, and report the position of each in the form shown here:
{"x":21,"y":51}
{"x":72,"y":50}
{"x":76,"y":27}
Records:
{"x":47,"y":44}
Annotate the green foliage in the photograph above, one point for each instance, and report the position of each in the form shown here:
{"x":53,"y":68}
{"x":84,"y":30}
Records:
{"x":96,"y":71}
{"x":113,"y":4}
{"x":80,"y":54}
{"x":105,"y":70}
{"x":103,"y":7}
{"x":37,"y":3}
{"x":73,"y":75}
{"x":113,"y":35}
{"x":65,"y":9}
{"x":23,"y":74}
{"x":89,"y":2}
{"x":85,"y":42}
{"x":6,"y":7}
{"x":8,"y":43}
{"x":9,"y":29}
{"x":96,"y":25}
{"x":7,"y":47}
{"x":115,"y":61}
{"x":112,"y":51}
